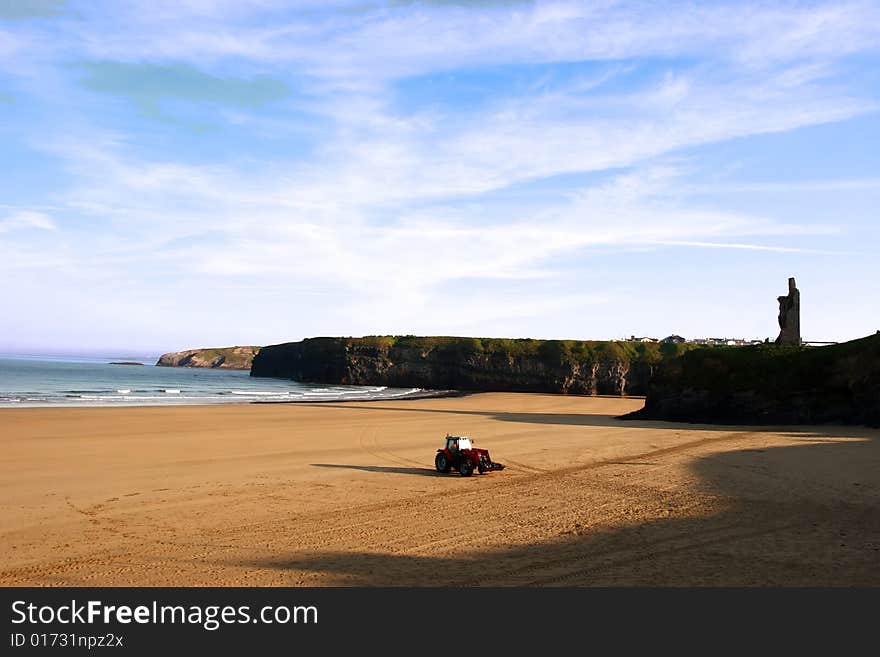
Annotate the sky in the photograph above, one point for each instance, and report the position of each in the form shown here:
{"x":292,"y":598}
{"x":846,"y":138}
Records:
{"x":187,"y":173}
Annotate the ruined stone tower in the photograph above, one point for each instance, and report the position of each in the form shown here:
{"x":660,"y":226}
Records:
{"x":790,"y":316}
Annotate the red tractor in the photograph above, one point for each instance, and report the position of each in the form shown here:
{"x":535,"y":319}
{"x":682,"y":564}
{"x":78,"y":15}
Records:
{"x":461,"y":455}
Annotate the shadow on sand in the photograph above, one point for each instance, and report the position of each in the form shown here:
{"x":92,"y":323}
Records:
{"x":388,"y":469}
{"x":593,"y":420}
{"x":801,"y":515}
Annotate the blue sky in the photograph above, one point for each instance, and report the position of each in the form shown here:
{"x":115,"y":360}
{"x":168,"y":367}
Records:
{"x":193,"y":173}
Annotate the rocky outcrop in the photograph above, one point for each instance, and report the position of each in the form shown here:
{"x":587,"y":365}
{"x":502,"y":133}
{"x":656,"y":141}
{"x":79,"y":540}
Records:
{"x":770,"y":384}
{"x":575,"y":367}
{"x":230,"y":358}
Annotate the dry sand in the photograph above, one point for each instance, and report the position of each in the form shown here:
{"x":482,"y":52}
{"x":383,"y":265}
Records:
{"x":346,"y":494}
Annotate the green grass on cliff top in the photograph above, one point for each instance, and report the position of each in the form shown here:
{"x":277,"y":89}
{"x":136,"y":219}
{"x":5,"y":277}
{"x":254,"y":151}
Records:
{"x":561,"y":350}
{"x":773,"y":367}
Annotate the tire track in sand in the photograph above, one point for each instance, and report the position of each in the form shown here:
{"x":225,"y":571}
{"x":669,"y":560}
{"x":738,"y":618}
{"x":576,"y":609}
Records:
{"x":334,"y":529}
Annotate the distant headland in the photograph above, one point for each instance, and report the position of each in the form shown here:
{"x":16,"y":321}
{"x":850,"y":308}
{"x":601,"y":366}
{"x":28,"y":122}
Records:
{"x":230,"y":358}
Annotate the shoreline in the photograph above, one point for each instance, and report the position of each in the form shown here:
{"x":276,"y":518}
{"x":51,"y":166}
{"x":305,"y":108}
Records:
{"x":428,"y":394}
{"x":441,"y":394}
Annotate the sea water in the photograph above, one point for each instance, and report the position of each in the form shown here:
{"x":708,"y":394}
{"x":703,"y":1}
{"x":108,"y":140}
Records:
{"x":42,"y":381}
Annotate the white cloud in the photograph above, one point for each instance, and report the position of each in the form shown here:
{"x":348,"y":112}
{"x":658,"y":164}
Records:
{"x":824,"y":185}
{"x":747,"y":247}
{"x":26,"y":219}
{"x":12,"y":47}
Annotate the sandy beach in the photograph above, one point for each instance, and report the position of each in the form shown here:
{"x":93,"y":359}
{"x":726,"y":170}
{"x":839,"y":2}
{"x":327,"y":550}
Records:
{"x":346,"y":494}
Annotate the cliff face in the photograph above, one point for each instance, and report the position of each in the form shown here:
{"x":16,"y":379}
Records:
{"x":770,"y":384}
{"x":231,"y":358}
{"x":587,"y":368}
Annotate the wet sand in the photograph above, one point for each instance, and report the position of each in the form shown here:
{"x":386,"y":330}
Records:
{"x":346,"y":494}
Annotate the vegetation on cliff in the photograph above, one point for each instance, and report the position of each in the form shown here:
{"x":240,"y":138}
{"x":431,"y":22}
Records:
{"x":231,"y":358}
{"x":770,"y":384}
{"x":566,"y":366}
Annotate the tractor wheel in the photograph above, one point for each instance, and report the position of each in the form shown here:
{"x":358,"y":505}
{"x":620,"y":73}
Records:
{"x":441,"y":463}
{"x":466,"y":468}
{"x":481,"y":468}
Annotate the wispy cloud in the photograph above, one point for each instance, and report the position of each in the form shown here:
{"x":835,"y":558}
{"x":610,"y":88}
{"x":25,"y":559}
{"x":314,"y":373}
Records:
{"x":25,"y":220}
{"x":748,"y":247}
{"x":355,"y":171}
{"x":381,"y":43}
{"x":307,"y":231}
{"x":788,"y":186}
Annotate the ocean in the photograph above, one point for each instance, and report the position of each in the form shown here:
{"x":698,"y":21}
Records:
{"x":40,"y":381}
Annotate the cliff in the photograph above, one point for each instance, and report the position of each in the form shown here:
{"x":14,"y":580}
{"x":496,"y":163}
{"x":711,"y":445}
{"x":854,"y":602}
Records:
{"x":231,"y":358}
{"x":770,"y":384}
{"x":558,"y":366}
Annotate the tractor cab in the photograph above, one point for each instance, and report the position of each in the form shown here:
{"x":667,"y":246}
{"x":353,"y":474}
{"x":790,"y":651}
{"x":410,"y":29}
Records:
{"x":456,"y":443}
